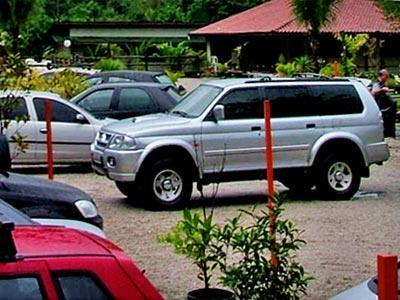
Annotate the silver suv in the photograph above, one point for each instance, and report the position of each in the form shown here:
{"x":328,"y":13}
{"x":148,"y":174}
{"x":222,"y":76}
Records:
{"x":326,"y":134}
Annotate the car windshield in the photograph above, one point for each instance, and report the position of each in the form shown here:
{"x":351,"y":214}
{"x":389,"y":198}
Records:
{"x":164,"y":79}
{"x":13,"y":215}
{"x":194,"y":103}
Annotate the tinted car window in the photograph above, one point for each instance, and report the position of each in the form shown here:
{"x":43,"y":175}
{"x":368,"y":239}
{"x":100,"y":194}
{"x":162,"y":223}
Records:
{"x":81,"y":287}
{"x":20,"y":288}
{"x":60,"y":112}
{"x":133,"y":99}
{"x":97,"y":101}
{"x":16,"y":107}
{"x":290,"y":101}
{"x":337,"y":99}
{"x":243,"y":104}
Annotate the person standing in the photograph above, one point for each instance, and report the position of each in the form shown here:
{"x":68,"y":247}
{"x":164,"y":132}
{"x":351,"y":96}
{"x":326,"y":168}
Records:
{"x":386,"y":103}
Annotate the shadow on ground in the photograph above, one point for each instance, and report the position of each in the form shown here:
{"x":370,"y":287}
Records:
{"x":59,"y":169}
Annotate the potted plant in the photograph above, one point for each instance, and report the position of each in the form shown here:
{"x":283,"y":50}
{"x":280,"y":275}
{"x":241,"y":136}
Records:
{"x":243,"y":253}
{"x":193,"y":237}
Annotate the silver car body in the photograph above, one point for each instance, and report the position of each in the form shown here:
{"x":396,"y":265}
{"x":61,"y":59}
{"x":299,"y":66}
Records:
{"x":71,"y":140}
{"x":238,"y":145}
{"x":72,"y":224}
{"x":361,"y":291}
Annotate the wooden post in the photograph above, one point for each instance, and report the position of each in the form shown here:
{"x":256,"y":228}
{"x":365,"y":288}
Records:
{"x":270,"y":175}
{"x":387,"y":277}
{"x":49,"y":137}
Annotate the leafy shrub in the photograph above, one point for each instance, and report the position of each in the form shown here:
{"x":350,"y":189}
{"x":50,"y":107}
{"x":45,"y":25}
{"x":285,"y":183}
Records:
{"x":109,"y":64}
{"x":192,"y":237}
{"x":67,"y":83}
{"x":243,"y":255}
{"x":241,"y":251}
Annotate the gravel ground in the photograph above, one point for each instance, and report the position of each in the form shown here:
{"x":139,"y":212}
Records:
{"x":343,"y":237}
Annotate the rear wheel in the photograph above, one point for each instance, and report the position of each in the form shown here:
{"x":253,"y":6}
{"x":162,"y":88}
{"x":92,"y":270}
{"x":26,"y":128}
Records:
{"x":168,"y":184}
{"x":338,"y":177}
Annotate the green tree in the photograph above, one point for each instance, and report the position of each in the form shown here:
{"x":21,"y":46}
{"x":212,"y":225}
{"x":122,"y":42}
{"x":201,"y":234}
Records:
{"x":14,"y":15}
{"x":314,"y":15}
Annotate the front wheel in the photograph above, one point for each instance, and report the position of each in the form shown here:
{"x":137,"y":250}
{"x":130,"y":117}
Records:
{"x":129,"y":189}
{"x":168,"y":184}
{"x":339,"y":177}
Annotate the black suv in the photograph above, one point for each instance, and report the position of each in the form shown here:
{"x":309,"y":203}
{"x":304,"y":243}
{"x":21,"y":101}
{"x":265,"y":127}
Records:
{"x":124,"y":100}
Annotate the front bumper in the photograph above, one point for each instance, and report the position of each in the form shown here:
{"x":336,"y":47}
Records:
{"x":124,"y":166}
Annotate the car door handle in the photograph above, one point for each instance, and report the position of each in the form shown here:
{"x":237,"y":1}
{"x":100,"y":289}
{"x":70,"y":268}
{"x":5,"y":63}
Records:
{"x":311,"y":125}
{"x":43,"y":130}
{"x":256,"y":128}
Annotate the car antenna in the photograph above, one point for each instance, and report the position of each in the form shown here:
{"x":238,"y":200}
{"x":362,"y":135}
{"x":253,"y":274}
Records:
{"x":8,"y":251}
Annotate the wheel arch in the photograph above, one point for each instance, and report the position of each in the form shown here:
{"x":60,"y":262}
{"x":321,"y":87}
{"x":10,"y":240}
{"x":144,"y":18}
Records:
{"x":340,"y":143}
{"x":181,"y":151}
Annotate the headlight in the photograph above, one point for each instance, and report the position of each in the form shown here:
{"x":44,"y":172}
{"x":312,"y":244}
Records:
{"x":86,"y":208}
{"x":122,"y":142}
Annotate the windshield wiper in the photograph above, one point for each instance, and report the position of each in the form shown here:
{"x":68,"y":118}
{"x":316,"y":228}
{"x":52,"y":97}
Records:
{"x":180,"y":113}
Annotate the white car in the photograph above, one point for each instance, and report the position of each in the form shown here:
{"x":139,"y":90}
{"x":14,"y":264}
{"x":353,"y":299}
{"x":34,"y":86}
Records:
{"x":73,"y":129}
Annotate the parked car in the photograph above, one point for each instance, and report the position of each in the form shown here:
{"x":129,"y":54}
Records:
{"x":124,"y":100}
{"x":73,"y":128}
{"x":129,"y":76}
{"x":46,"y":262}
{"x":326,"y":133}
{"x":40,"y":198}
{"x":19,"y":218}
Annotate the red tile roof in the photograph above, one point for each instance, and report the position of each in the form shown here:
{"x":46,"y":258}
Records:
{"x":275,"y":16}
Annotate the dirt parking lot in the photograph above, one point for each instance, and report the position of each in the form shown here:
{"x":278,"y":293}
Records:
{"x":342,"y":237}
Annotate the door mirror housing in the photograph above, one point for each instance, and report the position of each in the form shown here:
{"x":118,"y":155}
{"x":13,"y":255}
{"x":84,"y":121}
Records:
{"x":219,"y":112}
{"x":81,"y":119}
{"x":5,"y":158}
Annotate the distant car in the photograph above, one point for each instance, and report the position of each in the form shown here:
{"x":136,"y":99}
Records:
{"x":47,"y":262}
{"x":129,"y":76}
{"x":19,"y":218}
{"x":73,"y":128}
{"x":124,"y":100}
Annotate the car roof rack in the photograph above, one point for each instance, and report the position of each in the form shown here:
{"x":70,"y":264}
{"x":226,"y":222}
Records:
{"x":265,"y":78}
{"x":310,"y":76}
{"x":8,"y":251}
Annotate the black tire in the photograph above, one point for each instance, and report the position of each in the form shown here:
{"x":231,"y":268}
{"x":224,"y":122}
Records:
{"x":298,"y":188}
{"x":338,"y":177}
{"x":177,"y":184}
{"x":129,"y":189}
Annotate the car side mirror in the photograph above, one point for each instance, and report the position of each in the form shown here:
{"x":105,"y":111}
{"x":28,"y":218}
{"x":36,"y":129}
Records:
{"x":5,"y":158}
{"x":81,"y":119}
{"x":181,"y":89}
{"x":219,"y":112}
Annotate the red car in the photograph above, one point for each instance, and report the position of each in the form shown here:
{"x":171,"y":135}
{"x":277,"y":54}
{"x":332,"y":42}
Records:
{"x":44,"y":262}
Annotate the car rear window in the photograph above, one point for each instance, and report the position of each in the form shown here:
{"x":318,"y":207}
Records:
{"x":337,"y":99}
{"x":20,"y":288}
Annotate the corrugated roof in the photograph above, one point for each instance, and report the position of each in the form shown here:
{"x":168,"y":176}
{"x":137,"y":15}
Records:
{"x":276,"y":16}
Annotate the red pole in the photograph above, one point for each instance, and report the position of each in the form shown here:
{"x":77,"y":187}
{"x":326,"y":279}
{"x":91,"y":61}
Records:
{"x":387,"y":277}
{"x":268,"y":147}
{"x":270,"y":176}
{"x":48,"y":116}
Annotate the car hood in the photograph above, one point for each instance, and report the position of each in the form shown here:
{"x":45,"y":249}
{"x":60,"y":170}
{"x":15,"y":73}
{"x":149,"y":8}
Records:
{"x":144,"y":125}
{"x":26,"y":187}
{"x":360,"y":291}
